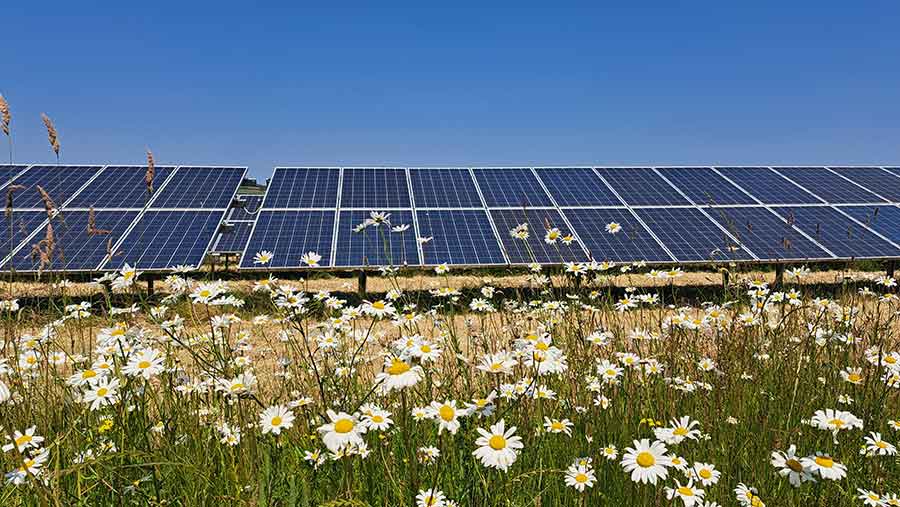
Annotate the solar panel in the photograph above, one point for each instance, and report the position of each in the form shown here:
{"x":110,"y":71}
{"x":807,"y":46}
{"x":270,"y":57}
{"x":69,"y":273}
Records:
{"x":458,"y":237}
{"x":516,"y":188}
{"x":690,"y":235}
{"x":883,"y":219}
{"x":60,"y":182}
{"x":76,"y":249}
{"x":577,"y":186}
{"x":200,"y":187}
{"x":376,"y":245}
{"x":768,"y":187}
{"x":837,"y":233}
{"x":247,"y":212}
{"x":704,"y":186}
{"x":632,"y":243}
{"x":766,"y":235}
{"x":881,"y":182}
{"x":300,"y":187}
{"x":165,"y":239}
{"x":828,"y":185}
{"x":17,"y":227}
{"x":535,"y":249}
{"x":120,"y":187}
{"x":8,"y":172}
{"x":375,"y":189}
{"x":232,"y":237}
{"x":444,"y":188}
{"x":640,"y":186}
{"x":289,"y":235}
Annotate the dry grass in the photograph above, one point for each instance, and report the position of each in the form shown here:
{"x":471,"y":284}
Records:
{"x":52,"y":134}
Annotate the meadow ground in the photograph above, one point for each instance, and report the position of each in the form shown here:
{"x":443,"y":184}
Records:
{"x":584,"y":388}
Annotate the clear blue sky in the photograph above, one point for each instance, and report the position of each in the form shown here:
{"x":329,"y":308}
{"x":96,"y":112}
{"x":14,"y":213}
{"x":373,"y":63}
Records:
{"x":461,"y":84}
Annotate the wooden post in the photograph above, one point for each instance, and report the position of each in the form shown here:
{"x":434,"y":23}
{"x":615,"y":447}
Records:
{"x":779,"y":275}
{"x":361,"y":284}
{"x":226,"y":262}
{"x":725,"y":278}
{"x":889,"y":268}
{"x":150,"y":279}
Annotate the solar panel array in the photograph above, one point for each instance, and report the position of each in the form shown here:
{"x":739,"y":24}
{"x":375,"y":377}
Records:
{"x":103,"y":217}
{"x":551,"y":215}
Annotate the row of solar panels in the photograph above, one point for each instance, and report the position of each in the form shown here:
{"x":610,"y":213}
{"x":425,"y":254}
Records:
{"x":669,"y":214}
{"x":107,"y":216}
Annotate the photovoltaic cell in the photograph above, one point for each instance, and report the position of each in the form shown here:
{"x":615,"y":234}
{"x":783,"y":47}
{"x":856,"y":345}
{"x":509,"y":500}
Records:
{"x":120,"y":187}
{"x":376,"y":246}
{"x":883,"y":219}
{"x":516,"y":188}
{"x":828,"y":186}
{"x":837,"y":233}
{"x":165,"y":239}
{"x":76,"y":249}
{"x":8,"y":172}
{"x":577,"y":186}
{"x":640,"y":186}
{"x":60,"y":182}
{"x":690,"y":236}
{"x":458,"y":237}
{"x":232,"y":237}
{"x":289,"y":235}
{"x":881,"y":182}
{"x":535,"y":249}
{"x":444,"y":188}
{"x":375,"y":189}
{"x":631,"y":244}
{"x":768,"y":187}
{"x":299,"y":187}
{"x":703,"y":186}
{"x":200,"y":187}
{"x":766,"y":235}
{"x":23,"y":224}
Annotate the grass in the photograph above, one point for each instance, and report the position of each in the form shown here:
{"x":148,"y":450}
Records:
{"x":163,"y":439}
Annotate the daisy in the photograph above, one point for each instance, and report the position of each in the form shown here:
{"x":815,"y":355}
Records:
{"x":835,"y":420}
{"x":552,"y":236}
{"x":610,"y":452}
{"x":377,"y":419}
{"x":558,"y":426}
{"x":613,"y":227}
{"x":706,"y":473}
{"x":679,"y":430}
{"x":497,"y":447}
{"x":127,"y":276}
{"x":430,"y":498}
{"x":398,"y":374}
{"x":647,"y":462}
{"x":311,"y":259}
{"x":870,"y":498}
{"x":447,"y":416}
{"x":501,"y":362}
{"x":580,"y":477}
{"x":825,"y":466}
{"x":747,"y":496}
{"x":145,"y":363}
{"x":263,"y":257}
{"x":24,"y":440}
{"x":342,"y":430}
{"x":687,"y":493}
{"x":876,"y":446}
{"x":276,"y":418}
{"x":104,"y":392}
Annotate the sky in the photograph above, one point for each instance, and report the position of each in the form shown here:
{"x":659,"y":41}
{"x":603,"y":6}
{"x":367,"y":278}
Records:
{"x":454,"y":83}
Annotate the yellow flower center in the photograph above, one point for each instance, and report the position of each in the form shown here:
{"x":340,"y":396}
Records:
{"x":398,"y":367}
{"x":377,"y":419}
{"x":276,"y":421}
{"x":890,"y":359}
{"x":645,"y":459}
{"x":542,"y":346}
{"x":144,"y":365}
{"x":237,"y":386}
{"x":685,"y":491}
{"x":426,"y":348}
{"x":24,"y":439}
{"x":556,"y":425}
{"x":343,"y":426}
{"x":378,"y":305}
{"x":837,"y":423}
{"x":680,"y":431}
{"x":88,"y":374}
{"x":31,"y":359}
{"x":611,"y":372}
{"x":581,"y":478}
{"x":824,"y":461}
{"x":881,"y":444}
{"x":854,"y":377}
{"x":102,"y":392}
{"x":447,"y":413}
{"x":705,"y":473}
{"x":497,"y":442}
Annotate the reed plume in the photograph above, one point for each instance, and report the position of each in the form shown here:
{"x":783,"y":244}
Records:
{"x":52,"y":135}
{"x":5,"y":120}
{"x":92,"y":229}
{"x":42,"y":251}
{"x":151,"y":171}
{"x":10,"y":190}
{"x":49,"y":205}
